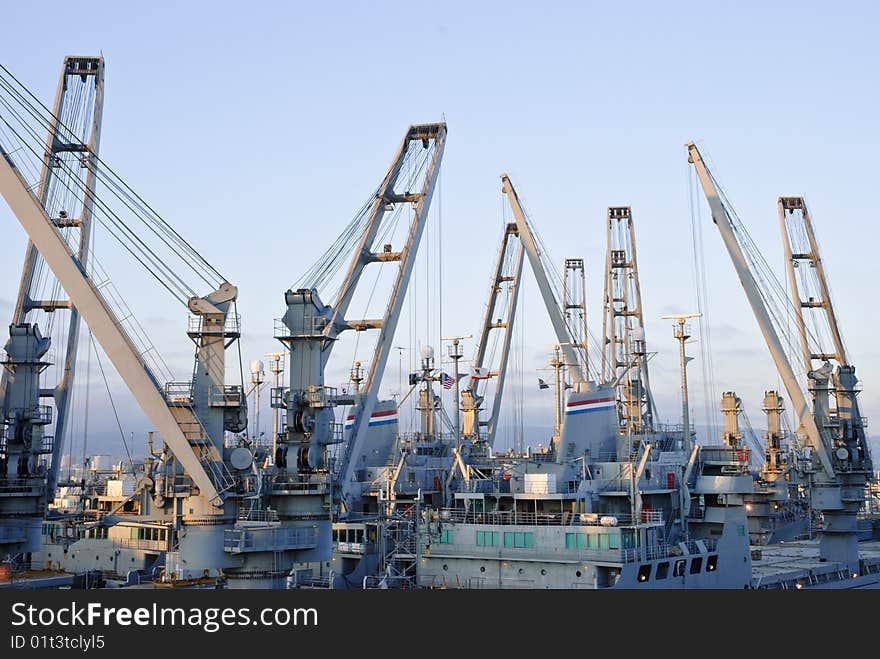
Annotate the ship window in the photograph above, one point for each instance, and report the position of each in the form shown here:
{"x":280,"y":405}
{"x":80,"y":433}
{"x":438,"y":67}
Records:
{"x":712,"y":563}
{"x":678,"y":570}
{"x":696,"y":565}
{"x":628,"y":539}
{"x":446,"y":537}
{"x":487,"y":538}
{"x":613,"y":541}
{"x":644,"y":572}
{"x":603,"y":541}
{"x":519,"y":540}
{"x":575,"y":541}
{"x":662,"y":570}
{"x":133,"y":533}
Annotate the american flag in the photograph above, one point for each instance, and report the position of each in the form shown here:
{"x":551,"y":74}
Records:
{"x":447,"y":380}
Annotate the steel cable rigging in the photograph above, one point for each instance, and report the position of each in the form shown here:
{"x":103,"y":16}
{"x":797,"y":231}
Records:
{"x":122,"y":212}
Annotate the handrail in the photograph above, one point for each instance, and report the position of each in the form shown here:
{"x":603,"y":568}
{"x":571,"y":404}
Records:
{"x":508,"y":517}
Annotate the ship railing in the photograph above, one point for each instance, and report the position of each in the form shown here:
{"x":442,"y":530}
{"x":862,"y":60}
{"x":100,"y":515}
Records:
{"x":303,"y":483}
{"x":232,"y":326}
{"x":315,"y":327}
{"x":37,"y":414}
{"x":693,"y":547}
{"x":355,"y":547}
{"x":319,"y":395}
{"x":272,"y":538}
{"x":723,"y":454}
{"x":178,"y":392}
{"x":135,"y":543}
{"x":225,"y":395}
{"x":257,"y":515}
{"x":46,"y":445}
{"x":31,"y":486}
{"x":460,"y":516}
{"x":608,"y":456}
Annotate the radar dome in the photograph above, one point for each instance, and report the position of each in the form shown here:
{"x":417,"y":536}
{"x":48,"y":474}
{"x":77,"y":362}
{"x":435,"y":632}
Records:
{"x":256,"y":366}
{"x":427,"y":352}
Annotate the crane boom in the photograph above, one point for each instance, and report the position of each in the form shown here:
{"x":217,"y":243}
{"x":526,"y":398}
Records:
{"x":563,"y":335}
{"x":771,"y":337}
{"x":105,"y":326}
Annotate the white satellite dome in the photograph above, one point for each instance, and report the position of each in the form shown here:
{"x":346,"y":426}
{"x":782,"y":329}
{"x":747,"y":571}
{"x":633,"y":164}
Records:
{"x":427,"y":352}
{"x":257,"y":366}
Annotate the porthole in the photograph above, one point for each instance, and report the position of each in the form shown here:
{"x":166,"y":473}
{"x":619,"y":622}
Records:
{"x":521,"y":571}
{"x":445,"y":567}
{"x":482,"y":568}
{"x":578,"y":573}
{"x":97,"y":558}
{"x":544,"y":572}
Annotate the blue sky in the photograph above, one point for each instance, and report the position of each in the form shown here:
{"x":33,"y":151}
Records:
{"x":259,"y":130}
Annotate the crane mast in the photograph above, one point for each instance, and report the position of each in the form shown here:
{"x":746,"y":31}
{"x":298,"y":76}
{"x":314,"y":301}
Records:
{"x":498,"y":316}
{"x":624,"y":357}
{"x":574,"y":306}
{"x":838,"y":486}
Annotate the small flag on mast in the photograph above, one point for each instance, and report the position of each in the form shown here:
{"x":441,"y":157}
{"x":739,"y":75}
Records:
{"x":542,"y":384}
{"x":478,"y":373}
{"x":447,"y":380}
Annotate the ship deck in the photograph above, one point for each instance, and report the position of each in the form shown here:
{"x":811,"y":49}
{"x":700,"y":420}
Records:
{"x":788,"y":564}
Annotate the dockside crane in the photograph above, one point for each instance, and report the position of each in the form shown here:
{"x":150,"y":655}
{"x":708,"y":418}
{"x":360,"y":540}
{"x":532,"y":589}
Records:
{"x":822,"y":347}
{"x":197,"y":486}
{"x":29,"y":429}
{"x":310,"y":328}
{"x":844,"y":467}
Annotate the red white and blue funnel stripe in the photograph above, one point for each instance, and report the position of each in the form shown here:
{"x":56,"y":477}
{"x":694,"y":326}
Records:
{"x":573,"y":407}
{"x":382,"y":418}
